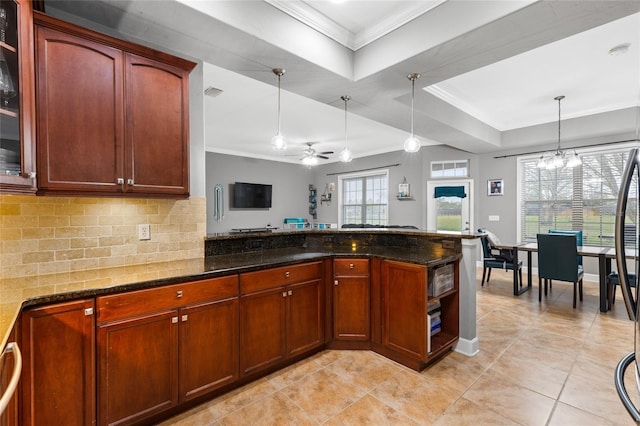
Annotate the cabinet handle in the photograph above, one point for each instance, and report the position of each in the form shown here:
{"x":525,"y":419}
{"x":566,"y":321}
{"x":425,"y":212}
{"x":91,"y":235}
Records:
{"x":335,"y":282}
{"x":284,"y":294}
{"x":185,"y":317}
{"x":88,"y":311}
{"x":179,"y":294}
{"x":32,"y":175}
{"x":120,"y":181}
{"x":351,"y":266}
{"x":15,"y":376}
{"x":286,"y":274}
{"x":290,"y":292}
{"x":174,"y":320}
{"x":129,"y":181}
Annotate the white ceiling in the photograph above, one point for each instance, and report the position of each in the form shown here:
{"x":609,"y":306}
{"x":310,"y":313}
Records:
{"x":491,"y":68}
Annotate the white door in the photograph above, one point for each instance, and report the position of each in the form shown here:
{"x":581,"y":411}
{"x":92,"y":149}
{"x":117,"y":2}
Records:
{"x":450,"y":213}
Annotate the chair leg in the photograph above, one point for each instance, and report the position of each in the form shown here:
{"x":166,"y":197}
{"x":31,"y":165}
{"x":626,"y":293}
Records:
{"x":484,"y":274}
{"x":489,"y":276}
{"x":550,"y":285}
{"x":613,"y":297}
{"x":580,"y":288}
{"x":539,"y":289}
{"x":575,"y":290}
{"x":546,"y":282}
{"x":520,"y":275}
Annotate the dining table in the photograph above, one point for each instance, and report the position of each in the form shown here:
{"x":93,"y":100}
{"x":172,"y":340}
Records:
{"x":604,"y":254}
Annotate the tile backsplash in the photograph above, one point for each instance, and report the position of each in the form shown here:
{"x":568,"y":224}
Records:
{"x":41,"y":235}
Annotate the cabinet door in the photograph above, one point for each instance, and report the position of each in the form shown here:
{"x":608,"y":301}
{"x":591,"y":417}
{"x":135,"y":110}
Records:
{"x":10,"y":416}
{"x":262,"y":329}
{"x":17,"y":128}
{"x":157,"y":135}
{"x":58,"y":379}
{"x":404,"y":313}
{"x":208,"y":347}
{"x":137,"y":368}
{"x":351,"y":308}
{"x":305,"y":328}
{"x":80,"y":113}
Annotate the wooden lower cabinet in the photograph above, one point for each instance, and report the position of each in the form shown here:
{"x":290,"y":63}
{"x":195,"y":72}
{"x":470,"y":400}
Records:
{"x":351,"y":300}
{"x":406,"y":335}
{"x":280,"y":321}
{"x":58,"y":352}
{"x":161,"y":347}
{"x":137,"y":368}
{"x":10,"y":416}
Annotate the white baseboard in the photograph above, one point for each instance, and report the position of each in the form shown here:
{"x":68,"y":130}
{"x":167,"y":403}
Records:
{"x":468,"y":347}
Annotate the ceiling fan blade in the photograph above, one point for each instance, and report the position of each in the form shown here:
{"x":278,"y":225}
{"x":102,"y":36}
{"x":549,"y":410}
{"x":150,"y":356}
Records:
{"x":324,"y":157}
{"x":326,"y":152}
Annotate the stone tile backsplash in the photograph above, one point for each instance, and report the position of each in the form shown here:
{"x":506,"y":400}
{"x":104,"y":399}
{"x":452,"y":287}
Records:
{"x":41,"y":235}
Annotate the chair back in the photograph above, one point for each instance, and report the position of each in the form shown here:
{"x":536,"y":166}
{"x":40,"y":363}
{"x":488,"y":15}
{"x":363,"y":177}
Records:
{"x":578,"y":235}
{"x":486,"y":247}
{"x":558,"y":257}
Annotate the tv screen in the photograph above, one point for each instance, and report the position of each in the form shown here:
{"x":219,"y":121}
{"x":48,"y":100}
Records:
{"x":251,"y":196}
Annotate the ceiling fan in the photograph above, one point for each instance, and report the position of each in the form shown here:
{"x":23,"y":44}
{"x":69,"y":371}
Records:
{"x":310,"y":155}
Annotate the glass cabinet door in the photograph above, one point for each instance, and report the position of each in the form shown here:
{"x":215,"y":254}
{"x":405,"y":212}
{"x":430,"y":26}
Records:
{"x":16,"y":97}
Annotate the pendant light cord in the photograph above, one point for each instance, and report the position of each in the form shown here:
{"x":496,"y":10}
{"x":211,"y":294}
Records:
{"x":559,"y":99}
{"x":413,"y":91}
{"x":279,"y":75}
{"x":345,"y":98}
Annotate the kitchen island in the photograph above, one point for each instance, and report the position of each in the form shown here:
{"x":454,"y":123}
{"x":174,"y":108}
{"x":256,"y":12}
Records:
{"x":263,"y":272}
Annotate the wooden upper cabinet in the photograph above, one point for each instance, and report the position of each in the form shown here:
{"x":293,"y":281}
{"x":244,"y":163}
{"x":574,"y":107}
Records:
{"x":17,"y":110}
{"x":80,"y":113}
{"x":112,"y":117}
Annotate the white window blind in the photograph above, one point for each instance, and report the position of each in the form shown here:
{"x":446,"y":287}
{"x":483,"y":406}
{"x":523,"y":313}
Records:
{"x":365,"y":198}
{"x":583,"y":198}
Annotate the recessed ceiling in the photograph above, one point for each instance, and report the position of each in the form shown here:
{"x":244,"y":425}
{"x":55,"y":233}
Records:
{"x":492,"y":68}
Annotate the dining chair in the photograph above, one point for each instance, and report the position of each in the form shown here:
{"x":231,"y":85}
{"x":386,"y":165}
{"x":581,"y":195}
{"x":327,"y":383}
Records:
{"x":494,"y":258}
{"x":613,"y":281}
{"x":558,"y":260}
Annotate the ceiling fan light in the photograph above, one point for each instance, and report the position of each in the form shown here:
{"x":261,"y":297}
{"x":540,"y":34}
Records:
{"x":346,"y":155}
{"x":278,"y":143}
{"x":412,"y":144}
{"x":309,"y":161}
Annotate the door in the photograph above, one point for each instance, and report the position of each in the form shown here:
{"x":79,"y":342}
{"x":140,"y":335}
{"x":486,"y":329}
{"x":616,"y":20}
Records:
{"x":59,"y":364}
{"x":262,"y":329}
{"x":304,"y":317}
{"x":137,"y":368}
{"x":446,"y":209}
{"x":208,"y":347}
{"x":351,"y":308}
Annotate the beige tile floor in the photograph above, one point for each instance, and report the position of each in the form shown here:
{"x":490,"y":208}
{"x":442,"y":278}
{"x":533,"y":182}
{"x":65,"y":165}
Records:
{"x":539,"y":364}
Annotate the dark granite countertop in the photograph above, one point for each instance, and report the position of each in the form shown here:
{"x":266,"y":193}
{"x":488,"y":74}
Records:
{"x":19,"y":293}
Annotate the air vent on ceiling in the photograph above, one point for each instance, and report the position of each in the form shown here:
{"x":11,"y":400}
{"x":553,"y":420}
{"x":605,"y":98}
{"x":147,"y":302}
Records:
{"x":212,"y":91}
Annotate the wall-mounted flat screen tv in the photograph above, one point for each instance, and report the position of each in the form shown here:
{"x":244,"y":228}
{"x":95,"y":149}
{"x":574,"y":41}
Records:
{"x":251,"y":196}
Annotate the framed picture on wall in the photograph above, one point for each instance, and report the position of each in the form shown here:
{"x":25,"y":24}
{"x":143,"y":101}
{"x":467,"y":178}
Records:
{"x":495,"y":187}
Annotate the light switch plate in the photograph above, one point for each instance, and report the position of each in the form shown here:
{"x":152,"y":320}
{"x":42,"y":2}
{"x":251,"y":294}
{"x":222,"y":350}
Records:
{"x":494,"y":218}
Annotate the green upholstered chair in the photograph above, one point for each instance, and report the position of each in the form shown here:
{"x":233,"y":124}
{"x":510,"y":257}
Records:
{"x":493,"y":258}
{"x":558,"y":260}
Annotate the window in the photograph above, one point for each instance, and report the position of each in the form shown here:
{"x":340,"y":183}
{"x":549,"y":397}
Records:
{"x":364,"y":198}
{"x":448,"y":169}
{"x":583,"y":198}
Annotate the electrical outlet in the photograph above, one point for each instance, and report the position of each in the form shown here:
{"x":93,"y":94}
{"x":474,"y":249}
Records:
{"x":143,"y":232}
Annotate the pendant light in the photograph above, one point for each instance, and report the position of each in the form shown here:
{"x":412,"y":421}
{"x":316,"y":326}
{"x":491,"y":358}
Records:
{"x":558,"y":160}
{"x":412,"y":144}
{"x":345,"y":155}
{"x":277,"y":142}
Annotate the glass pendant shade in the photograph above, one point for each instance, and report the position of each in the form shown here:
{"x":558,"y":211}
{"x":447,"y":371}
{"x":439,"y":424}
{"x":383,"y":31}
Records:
{"x":412,"y":144}
{"x":277,"y":142}
{"x":541,"y":164}
{"x":346,"y":155}
{"x":574,"y":160}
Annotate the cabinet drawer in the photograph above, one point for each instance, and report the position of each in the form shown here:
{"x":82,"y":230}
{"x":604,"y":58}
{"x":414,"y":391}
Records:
{"x":350,"y":267}
{"x":133,"y":303}
{"x":274,"y":277}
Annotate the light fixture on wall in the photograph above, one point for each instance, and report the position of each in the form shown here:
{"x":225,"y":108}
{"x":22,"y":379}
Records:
{"x":557,"y":159}
{"x":345,"y":155}
{"x":412,"y":144}
{"x":277,"y":142}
